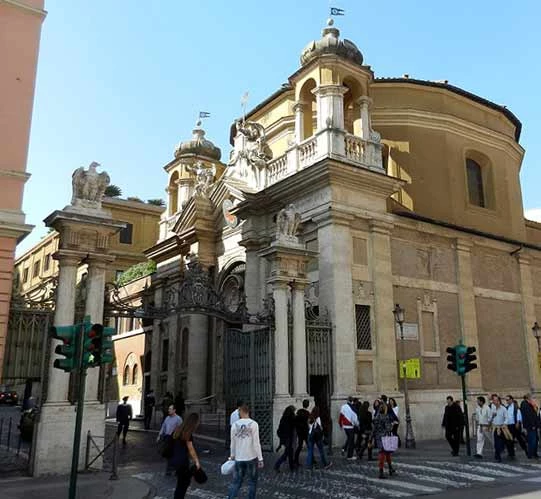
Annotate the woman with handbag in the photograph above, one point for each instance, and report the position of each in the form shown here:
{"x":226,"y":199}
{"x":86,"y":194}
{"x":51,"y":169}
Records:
{"x":386,"y":443}
{"x":315,"y":437}
{"x":183,"y":451}
{"x":286,"y":434}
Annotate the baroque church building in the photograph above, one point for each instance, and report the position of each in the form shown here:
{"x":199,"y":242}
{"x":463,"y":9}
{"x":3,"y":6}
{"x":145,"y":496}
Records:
{"x":343,"y":195}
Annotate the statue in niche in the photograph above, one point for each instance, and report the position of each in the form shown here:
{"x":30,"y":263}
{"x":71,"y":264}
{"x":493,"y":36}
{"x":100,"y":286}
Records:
{"x":287,"y":222}
{"x":204,"y":178}
{"x":88,"y":187}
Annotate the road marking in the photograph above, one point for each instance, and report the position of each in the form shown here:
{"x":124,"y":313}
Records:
{"x":385,"y":490}
{"x":476,"y":469}
{"x":534,"y":479}
{"x":193,"y":492}
{"x":426,"y":478}
{"x":503,"y":466}
{"x":458,"y":474}
{"x":145,"y":476}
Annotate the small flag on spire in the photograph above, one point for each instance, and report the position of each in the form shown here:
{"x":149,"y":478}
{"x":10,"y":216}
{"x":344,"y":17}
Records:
{"x":337,"y":12}
{"x":203,"y":114}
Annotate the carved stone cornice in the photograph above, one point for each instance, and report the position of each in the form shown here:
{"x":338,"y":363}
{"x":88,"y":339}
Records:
{"x":464,"y":245}
{"x":380,"y":227}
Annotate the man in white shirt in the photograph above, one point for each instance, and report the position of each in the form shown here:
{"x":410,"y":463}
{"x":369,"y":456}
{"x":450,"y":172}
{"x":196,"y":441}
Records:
{"x":169,"y":425}
{"x":483,"y":414}
{"x":502,"y":437}
{"x":246,"y":452}
{"x":348,"y":420}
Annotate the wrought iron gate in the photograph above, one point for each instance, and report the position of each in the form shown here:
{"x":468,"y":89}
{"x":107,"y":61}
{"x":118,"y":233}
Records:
{"x":249,"y":375}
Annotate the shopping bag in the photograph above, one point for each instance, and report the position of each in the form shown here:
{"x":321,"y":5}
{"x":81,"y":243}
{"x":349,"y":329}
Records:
{"x":228,"y":467}
{"x":389,"y":443}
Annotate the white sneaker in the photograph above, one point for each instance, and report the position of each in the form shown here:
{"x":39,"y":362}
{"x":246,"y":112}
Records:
{"x":352,"y":458}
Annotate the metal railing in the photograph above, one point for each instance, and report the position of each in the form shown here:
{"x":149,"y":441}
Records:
{"x":91,"y":443}
{"x":10,"y":436}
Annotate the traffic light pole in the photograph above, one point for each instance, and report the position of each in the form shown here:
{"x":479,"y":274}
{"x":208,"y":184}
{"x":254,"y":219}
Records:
{"x":466,"y":418}
{"x":81,"y":370}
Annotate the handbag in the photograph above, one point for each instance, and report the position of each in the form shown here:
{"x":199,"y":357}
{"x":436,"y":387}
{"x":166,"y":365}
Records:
{"x":198,"y":474}
{"x":228,"y":467}
{"x":389,"y":443}
{"x":317,"y":432}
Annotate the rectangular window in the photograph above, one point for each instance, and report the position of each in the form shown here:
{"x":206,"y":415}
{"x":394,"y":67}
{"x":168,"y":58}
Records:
{"x":364,"y":333}
{"x":165,"y":355}
{"x":429,"y":333}
{"x":360,"y":255}
{"x":126,"y":234}
{"x":46,"y":262}
{"x":475,"y":183}
{"x":35,"y":272}
{"x":25,"y":275}
{"x":312,"y":245}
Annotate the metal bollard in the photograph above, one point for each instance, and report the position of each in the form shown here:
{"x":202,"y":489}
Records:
{"x":114,"y":474}
{"x":9,"y":432}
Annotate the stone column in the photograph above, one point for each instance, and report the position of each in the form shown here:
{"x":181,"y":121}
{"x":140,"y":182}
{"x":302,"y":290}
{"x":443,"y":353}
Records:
{"x":174,"y":332}
{"x":197,"y":356}
{"x":382,"y":278}
{"x":281,"y":357}
{"x":330,"y":106}
{"x":336,"y":294}
{"x":94,"y":308}
{"x":252,"y":278}
{"x":155,"y":344}
{"x":299,"y":340}
{"x":64,"y":315}
{"x":467,"y":311}
{"x":528,"y":319}
{"x":364,"y":104}
{"x":298,"y":108}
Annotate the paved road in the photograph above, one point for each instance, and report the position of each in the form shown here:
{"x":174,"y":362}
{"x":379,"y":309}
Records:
{"x":428,"y":472}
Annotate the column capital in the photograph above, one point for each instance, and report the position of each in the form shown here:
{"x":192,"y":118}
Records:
{"x":279,"y":282}
{"x":464,"y":245}
{"x":524,"y":259}
{"x":333,"y":217}
{"x":98,"y":261}
{"x":298,"y":106}
{"x":299,"y":284}
{"x":68,"y":258}
{"x":380,"y":227}
{"x":364,"y":100}
{"x":332,"y":89}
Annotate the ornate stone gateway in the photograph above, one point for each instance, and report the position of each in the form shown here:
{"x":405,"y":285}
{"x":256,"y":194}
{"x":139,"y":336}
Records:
{"x":249,"y":376}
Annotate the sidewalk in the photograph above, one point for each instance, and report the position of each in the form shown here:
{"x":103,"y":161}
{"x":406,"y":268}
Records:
{"x":88,"y":487}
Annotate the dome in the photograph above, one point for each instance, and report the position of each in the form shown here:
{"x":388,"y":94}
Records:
{"x":198,"y":146}
{"x":330,"y":43}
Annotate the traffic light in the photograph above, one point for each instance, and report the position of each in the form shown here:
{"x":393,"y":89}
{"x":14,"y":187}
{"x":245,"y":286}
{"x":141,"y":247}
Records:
{"x":468,"y":361}
{"x":107,"y":345}
{"x":451,"y":358}
{"x":461,"y":359}
{"x":68,"y":336}
{"x":91,"y":343}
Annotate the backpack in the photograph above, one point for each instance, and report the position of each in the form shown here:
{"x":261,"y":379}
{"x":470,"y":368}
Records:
{"x":316,"y":432}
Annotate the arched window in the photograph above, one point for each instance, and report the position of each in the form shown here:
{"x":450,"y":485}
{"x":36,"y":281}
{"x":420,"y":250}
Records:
{"x":310,"y":109}
{"x":475,"y":183}
{"x":135,"y":375}
{"x":172,"y":190}
{"x":126,"y":380}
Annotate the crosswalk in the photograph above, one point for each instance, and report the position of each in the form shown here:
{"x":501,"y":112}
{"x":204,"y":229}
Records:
{"x":347,"y":480}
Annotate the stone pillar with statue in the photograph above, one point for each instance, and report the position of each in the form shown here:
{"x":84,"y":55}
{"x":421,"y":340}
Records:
{"x":288,"y":258}
{"x":84,"y":229}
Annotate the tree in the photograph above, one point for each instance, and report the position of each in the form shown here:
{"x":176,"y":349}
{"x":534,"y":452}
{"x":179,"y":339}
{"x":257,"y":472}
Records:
{"x":113,"y":191}
{"x":136,"y":272}
{"x":156,"y":202}
{"x":135,"y":198}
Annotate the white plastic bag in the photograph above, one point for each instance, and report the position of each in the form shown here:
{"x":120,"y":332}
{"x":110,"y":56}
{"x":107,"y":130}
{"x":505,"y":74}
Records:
{"x":389,"y":443}
{"x":228,"y":467}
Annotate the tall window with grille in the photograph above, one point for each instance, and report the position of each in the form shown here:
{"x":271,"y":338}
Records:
{"x":364,"y":332}
{"x":476,"y":189}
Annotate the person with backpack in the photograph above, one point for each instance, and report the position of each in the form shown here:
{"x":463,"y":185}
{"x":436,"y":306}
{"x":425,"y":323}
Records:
{"x":286,"y":434}
{"x":301,"y":426}
{"x":383,"y":426}
{"x":183,"y":451}
{"x":315,"y":437}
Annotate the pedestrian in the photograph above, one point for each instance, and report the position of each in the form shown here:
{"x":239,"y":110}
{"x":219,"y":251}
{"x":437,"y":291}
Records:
{"x":365,"y":428}
{"x":166,"y":402}
{"x":286,"y":434}
{"x":348,"y":421}
{"x":383,"y":425}
{"x":502,"y":436}
{"x":315,"y":437}
{"x":530,"y":422}
{"x":246,"y":452}
{"x":396,"y":420}
{"x":169,"y":425}
{"x":183,"y":451}
{"x":484,"y":434}
{"x":179,"y":404}
{"x":453,"y":420}
{"x":124,"y":415}
{"x":301,"y":427}
{"x":150,"y":402}
{"x":514,"y":423}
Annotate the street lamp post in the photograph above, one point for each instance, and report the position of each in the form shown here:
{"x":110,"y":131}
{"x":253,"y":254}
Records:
{"x":536,"y":329}
{"x":398,"y":312}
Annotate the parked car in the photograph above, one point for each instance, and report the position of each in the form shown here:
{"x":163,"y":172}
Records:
{"x":9,"y":397}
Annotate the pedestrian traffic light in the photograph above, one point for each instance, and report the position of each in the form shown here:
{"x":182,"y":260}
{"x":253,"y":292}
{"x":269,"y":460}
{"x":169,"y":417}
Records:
{"x":68,"y":336}
{"x":91,"y":343}
{"x":451,"y":358}
{"x":461,"y":359}
{"x":468,"y":361}
{"x":107,"y":345}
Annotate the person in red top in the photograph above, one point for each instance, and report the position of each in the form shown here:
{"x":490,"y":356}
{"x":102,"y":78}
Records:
{"x":348,"y":420}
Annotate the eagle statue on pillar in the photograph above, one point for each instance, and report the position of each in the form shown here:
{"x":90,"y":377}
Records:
{"x":89,"y":187}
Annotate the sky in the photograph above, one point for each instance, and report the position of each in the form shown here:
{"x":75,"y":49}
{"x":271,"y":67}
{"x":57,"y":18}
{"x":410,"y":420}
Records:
{"x":122,"y":82}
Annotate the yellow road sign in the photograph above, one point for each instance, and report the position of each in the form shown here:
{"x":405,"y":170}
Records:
{"x":412,"y":368}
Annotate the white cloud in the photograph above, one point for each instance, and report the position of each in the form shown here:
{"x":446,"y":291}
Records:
{"x":533,"y":214}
